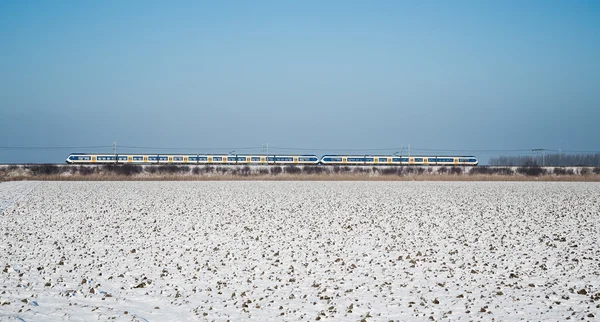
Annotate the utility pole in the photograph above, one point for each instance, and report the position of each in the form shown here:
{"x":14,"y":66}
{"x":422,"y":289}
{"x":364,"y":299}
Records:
{"x":115,"y":150}
{"x":532,"y":160}
{"x":560,"y":157}
{"x":267,"y":147}
{"x":409,"y":150}
{"x":543,"y":155}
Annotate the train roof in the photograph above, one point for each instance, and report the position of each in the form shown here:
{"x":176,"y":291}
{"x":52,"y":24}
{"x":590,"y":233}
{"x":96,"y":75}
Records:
{"x":400,"y":156}
{"x":217,"y":154}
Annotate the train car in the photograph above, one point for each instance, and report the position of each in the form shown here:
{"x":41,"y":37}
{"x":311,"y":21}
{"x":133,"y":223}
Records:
{"x":214,"y":159}
{"x":398,"y":160}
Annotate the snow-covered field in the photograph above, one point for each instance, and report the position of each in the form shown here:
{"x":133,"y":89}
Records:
{"x":345,"y":251}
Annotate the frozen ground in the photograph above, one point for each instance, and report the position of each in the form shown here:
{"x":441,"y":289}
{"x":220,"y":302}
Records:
{"x":345,"y":251}
{"x":13,"y":192}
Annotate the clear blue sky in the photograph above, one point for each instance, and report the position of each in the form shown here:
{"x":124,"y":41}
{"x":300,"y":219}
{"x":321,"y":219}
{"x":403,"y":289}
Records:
{"x":454,"y":75}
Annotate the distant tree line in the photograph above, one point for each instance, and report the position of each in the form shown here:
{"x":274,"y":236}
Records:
{"x":549,"y":160}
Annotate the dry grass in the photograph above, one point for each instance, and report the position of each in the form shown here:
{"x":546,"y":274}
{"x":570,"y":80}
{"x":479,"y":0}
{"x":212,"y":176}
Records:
{"x":304,"y":177}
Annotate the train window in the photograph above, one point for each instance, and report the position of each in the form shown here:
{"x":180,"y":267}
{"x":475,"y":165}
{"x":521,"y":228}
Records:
{"x":382,"y":159}
{"x":418,"y":159}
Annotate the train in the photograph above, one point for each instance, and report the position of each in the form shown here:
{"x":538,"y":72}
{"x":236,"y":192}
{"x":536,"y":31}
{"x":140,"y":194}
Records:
{"x":258,"y":159}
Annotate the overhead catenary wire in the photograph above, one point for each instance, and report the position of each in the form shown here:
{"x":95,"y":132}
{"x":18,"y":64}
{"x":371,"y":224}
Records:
{"x":282,"y":148}
{"x":188,"y":148}
{"x":53,"y":147}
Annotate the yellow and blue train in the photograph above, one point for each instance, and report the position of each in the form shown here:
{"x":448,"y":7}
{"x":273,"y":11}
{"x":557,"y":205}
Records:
{"x":291,"y":159}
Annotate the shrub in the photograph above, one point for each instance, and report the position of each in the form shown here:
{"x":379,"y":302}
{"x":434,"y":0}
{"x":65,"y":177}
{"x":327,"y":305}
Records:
{"x":46,"y":169}
{"x":123,"y":170}
{"x":389,"y":171}
{"x":292,"y":169}
{"x":584,"y":171}
{"x":263,"y":171}
{"x":222,"y":170}
{"x":420,"y":170}
{"x":559,"y":171}
{"x":246,"y":170}
{"x":400,"y":171}
{"x":336,"y":169}
{"x":597,"y":170}
{"x":275,"y":170}
{"x":456,"y":170}
{"x":86,"y":171}
{"x":208,"y":169}
{"x":442,"y":170}
{"x":360,"y":170}
{"x":243,"y":171}
{"x":196,"y":170}
{"x":168,"y":169}
{"x":314,"y":169}
{"x":492,"y":170}
{"x":504,"y":171}
{"x":480,"y":170}
{"x":531,"y":168}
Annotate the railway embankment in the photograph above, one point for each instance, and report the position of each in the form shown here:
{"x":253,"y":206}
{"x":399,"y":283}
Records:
{"x":62,"y":172}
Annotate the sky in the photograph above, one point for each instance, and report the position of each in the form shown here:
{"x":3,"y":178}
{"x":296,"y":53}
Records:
{"x":479,"y":78}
